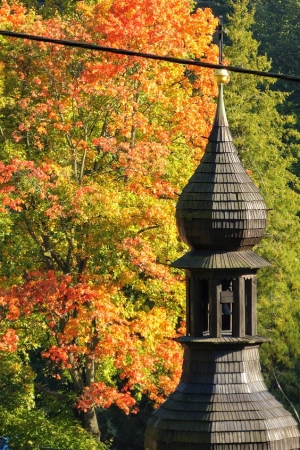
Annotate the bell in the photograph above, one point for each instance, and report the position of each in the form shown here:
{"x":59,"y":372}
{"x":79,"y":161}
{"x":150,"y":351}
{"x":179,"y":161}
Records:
{"x":225,"y":309}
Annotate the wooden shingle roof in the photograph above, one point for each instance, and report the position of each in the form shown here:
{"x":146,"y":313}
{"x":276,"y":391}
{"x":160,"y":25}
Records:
{"x":220,"y":260}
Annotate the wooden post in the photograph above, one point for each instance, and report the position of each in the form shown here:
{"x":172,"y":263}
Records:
{"x":251,"y":301}
{"x":238,"y":313}
{"x":215,"y":309}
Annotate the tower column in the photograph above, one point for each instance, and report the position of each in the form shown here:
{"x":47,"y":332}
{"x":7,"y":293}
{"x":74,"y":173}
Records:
{"x":251,"y":301}
{"x":238,"y":311}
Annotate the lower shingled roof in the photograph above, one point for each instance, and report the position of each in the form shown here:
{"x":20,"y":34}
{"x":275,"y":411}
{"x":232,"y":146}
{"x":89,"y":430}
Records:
{"x":220,"y":260}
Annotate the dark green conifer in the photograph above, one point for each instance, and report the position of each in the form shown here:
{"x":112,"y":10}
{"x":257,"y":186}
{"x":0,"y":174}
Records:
{"x":267,"y":143}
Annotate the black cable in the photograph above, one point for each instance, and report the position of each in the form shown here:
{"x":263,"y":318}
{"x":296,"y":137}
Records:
{"x":170,"y":59}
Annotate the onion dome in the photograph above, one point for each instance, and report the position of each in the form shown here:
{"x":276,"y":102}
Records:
{"x":221,"y":209}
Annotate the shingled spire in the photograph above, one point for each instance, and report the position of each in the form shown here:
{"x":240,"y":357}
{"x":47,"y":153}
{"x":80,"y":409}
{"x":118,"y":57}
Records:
{"x":221,"y":210}
{"x":221,"y":402}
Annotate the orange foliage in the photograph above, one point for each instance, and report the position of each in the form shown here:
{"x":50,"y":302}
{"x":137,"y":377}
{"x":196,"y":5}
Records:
{"x":87,"y":328}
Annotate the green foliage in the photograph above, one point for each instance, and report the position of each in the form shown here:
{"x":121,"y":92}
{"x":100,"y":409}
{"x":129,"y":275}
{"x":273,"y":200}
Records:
{"x":268,"y":143}
{"x":51,"y":8}
{"x":277,"y":28}
{"x":36,"y":428}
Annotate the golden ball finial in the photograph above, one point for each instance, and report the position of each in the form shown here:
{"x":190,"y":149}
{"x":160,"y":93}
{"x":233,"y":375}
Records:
{"x":222,"y":76}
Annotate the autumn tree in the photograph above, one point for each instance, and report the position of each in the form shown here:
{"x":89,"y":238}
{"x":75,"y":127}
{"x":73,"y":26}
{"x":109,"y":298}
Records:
{"x":94,"y":148}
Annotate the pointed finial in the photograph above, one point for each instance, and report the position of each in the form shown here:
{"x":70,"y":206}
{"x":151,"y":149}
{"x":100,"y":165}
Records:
{"x":222,"y":76}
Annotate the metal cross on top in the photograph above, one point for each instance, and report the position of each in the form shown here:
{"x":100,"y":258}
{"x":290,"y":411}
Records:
{"x":220,"y":39}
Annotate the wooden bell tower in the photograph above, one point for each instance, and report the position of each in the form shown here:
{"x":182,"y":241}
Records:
{"x":221,"y":402}
{"x":218,"y":305}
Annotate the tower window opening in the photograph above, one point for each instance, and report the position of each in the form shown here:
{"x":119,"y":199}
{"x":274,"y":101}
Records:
{"x":226,"y":298}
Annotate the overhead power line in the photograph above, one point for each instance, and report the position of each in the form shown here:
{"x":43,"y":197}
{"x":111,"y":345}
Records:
{"x":171,"y":59}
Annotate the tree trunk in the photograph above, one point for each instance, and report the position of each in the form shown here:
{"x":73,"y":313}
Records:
{"x":90,"y":423}
{"x":81,"y":379}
